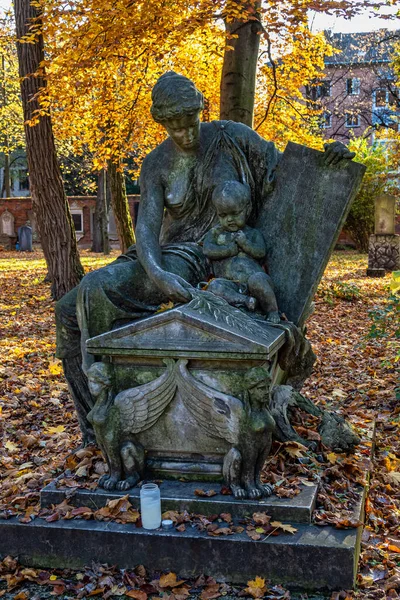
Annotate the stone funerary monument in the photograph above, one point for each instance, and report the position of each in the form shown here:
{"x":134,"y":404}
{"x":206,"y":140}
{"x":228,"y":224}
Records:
{"x":185,"y":355}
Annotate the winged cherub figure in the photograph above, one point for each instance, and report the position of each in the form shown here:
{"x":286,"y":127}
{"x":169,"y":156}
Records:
{"x":117,"y":419}
{"x":247,"y":425}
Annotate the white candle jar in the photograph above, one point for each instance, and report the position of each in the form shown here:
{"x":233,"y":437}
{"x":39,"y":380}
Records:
{"x":150,"y":506}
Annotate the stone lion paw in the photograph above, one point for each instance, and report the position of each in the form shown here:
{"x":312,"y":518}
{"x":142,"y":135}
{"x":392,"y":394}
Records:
{"x":266,"y":489}
{"x":108,"y":482}
{"x":126,"y":484}
{"x":238,"y":492}
{"x":253,"y":493}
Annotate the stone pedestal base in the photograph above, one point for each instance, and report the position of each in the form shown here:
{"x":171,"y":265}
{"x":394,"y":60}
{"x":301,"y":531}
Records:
{"x":313,"y":558}
{"x":180,"y":496}
{"x":7,"y":241}
{"x":376,"y":272}
{"x":383,"y":253}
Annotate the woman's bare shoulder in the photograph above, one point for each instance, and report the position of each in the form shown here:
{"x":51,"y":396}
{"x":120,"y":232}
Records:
{"x":158,"y":159}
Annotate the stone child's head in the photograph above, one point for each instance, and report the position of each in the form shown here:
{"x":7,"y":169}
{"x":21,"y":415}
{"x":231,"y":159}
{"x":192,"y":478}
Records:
{"x":232,"y":202}
{"x":177,"y":104}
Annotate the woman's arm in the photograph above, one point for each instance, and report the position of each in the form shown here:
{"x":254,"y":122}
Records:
{"x":151,"y":211}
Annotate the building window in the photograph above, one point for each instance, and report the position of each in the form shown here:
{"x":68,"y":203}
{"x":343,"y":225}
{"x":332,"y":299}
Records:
{"x":352,"y":120}
{"x":353,"y":86}
{"x":23,"y":181}
{"x":324,"y":89}
{"x":326,"y":120}
{"x":381,"y":97}
{"x":77,"y":218}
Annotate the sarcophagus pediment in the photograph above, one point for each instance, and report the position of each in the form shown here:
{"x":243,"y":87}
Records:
{"x":204,"y":327}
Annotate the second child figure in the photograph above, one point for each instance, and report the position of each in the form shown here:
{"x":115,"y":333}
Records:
{"x":235,"y":251}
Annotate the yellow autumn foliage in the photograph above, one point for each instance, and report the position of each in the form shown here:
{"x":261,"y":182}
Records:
{"x":103,"y":58}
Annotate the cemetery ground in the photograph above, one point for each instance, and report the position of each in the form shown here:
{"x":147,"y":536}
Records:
{"x":355,"y":372}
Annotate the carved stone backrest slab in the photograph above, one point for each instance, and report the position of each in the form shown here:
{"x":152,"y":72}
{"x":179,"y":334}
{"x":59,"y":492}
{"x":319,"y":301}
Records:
{"x":301,"y":222}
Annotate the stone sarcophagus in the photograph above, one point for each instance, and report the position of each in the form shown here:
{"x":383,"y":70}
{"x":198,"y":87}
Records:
{"x":183,"y":386}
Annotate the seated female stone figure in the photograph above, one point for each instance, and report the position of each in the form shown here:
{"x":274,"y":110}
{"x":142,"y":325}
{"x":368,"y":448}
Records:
{"x":177,"y":180}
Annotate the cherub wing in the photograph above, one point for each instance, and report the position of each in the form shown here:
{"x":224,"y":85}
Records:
{"x":218,"y":414}
{"x":141,"y":406}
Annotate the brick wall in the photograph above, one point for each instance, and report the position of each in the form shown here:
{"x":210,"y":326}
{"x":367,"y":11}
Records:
{"x":21,"y":209}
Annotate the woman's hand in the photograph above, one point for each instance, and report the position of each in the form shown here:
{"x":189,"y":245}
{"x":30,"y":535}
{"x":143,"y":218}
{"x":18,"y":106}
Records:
{"x":335,"y":151}
{"x":173,"y":286}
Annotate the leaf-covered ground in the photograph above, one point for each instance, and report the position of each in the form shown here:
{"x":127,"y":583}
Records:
{"x":354,"y":372}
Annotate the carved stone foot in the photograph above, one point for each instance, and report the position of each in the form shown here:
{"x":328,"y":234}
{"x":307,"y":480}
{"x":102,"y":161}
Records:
{"x":273,"y":317}
{"x":129,"y":482}
{"x":238,"y":492}
{"x":266,"y":489}
{"x":251,"y":303}
{"x":108,"y":482}
{"x":253,"y":493}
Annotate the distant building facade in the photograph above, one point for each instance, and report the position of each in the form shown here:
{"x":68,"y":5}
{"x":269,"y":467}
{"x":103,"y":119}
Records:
{"x":14,"y":212}
{"x":19,"y":179}
{"x":360,"y":90}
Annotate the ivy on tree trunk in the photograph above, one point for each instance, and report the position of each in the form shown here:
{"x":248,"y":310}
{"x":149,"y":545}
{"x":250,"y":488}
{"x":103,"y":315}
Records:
{"x":50,"y":205}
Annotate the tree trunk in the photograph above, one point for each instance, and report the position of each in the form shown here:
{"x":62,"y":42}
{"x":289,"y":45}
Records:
{"x":6,"y":178}
{"x":101,"y":242}
{"x":238,"y":80}
{"x":120,"y":206}
{"x":6,"y":185}
{"x":50,"y":205}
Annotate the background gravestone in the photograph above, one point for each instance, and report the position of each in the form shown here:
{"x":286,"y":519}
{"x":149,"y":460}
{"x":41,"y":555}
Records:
{"x":7,"y":233}
{"x":302,"y":221}
{"x":7,"y":224}
{"x":384,"y":244}
{"x":25,"y":238}
{"x":385,"y":214}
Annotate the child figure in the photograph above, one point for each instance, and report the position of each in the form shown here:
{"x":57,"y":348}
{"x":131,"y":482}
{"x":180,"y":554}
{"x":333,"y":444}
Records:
{"x":235,"y":249}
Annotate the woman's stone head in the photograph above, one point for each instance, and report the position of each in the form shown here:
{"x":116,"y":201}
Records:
{"x":175,"y":96}
{"x":99,"y":377}
{"x":176,"y":105}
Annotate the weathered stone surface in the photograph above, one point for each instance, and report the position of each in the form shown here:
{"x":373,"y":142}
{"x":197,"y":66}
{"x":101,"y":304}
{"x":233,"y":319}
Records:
{"x":25,"y":238}
{"x":189,"y":331}
{"x":236,"y":252}
{"x":180,"y":496}
{"x":301,"y":222}
{"x":6,"y":241}
{"x":335,"y":432}
{"x":314,"y":558}
{"x":384,"y":252}
{"x":205,"y":415}
{"x":376,"y":272}
{"x":7,"y":223}
{"x":385,"y":214}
